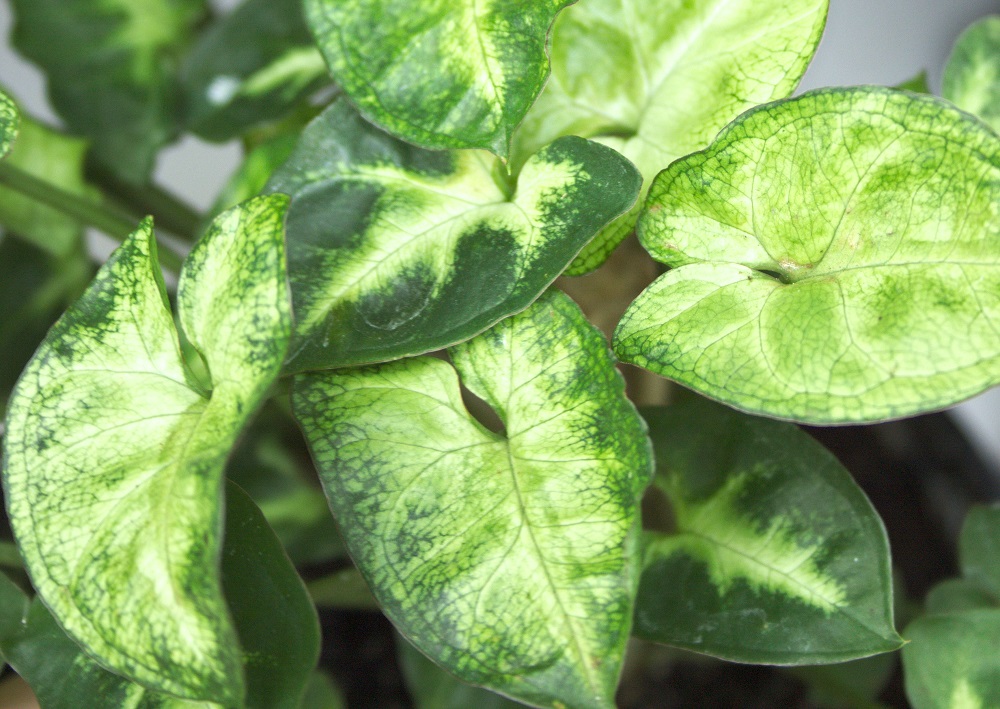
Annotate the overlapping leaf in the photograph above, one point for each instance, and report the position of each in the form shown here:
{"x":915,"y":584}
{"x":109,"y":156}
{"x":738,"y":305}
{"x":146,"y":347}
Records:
{"x":395,"y":250}
{"x":439,"y":73}
{"x":114,"y":455}
{"x":835,"y":259}
{"x":511,"y":560}
{"x":972,"y":75}
{"x":251,"y":66}
{"x":111,"y":68}
{"x":657,"y":80}
{"x":273,"y":615}
{"x":777,"y":557}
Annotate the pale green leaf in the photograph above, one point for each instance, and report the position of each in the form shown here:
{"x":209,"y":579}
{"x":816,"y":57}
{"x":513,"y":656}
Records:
{"x":58,"y":159}
{"x":395,"y":250}
{"x":511,"y":560}
{"x":657,"y":80}
{"x":112,"y":70}
{"x":777,"y":556}
{"x":9,"y":122}
{"x":834,"y":260}
{"x":439,"y":73}
{"x":250,"y":66}
{"x":979,"y":548}
{"x":972,"y":75}
{"x":114,"y":455}
{"x":951,"y":661}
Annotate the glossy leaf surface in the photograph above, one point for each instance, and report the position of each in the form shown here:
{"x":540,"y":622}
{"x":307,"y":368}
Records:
{"x":250,"y":66}
{"x":834,"y":260}
{"x":658,"y":80}
{"x":511,"y":560}
{"x":58,"y":159}
{"x":395,"y":250}
{"x":972,"y":75}
{"x":111,"y":67}
{"x":9,"y":121}
{"x":114,"y":454}
{"x":777,"y":558}
{"x":440,"y":73}
{"x":951,"y":661}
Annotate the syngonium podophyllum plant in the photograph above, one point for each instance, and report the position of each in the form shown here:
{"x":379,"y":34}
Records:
{"x":381,"y":270}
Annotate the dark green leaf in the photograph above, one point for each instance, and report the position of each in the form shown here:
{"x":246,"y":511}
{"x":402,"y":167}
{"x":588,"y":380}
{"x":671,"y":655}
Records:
{"x":778,"y":557}
{"x":111,"y":68}
{"x":979,"y":547}
{"x":250,"y":66}
{"x":955,"y":595}
{"x":658,"y":79}
{"x":433,"y":688}
{"x":35,"y":288}
{"x":972,"y":75}
{"x":438,"y":73}
{"x":395,"y":250}
{"x":114,"y":453}
{"x":274,"y":616}
{"x":13,"y":609}
{"x":834,"y":259}
{"x":512,"y":559}
{"x":951,"y":661}
{"x":321,"y":693}
{"x":917,"y":84}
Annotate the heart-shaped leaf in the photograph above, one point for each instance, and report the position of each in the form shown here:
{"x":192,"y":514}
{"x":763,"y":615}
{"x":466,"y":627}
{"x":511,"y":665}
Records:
{"x":112,"y":70}
{"x":274,"y":617}
{"x":250,"y":66}
{"x":511,"y":560}
{"x":972,"y":75}
{"x":658,"y":80}
{"x":9,"y":121}
{"x":439,"y":73}
{"x":777,"y":557}
{"x":395,"y":250}
{"x":114,"y":453}
{"x":835,"y":260}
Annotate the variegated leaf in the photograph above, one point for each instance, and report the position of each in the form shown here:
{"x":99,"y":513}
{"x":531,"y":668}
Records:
{"x":114,"y":452}
{"x":509,"y":559}
{"x":395,"y":250}
{"x":9,"y":121}
{"x":834,"y":259}
{"x":658,"y":79}
{"x":972,"y":76}
{"x":777,"y":556}
{"x":438,"y":73}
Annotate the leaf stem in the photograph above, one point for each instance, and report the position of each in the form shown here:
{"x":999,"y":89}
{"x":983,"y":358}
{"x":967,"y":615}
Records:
{"x":169,"y":211}
{"x":100,"y":216}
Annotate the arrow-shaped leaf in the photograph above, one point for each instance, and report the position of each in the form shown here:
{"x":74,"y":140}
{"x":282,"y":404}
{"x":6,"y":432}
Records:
{"x":657,"y":80}
{"x":511,"y":560}
{"x":835,"y":260}
{"x":114,"y":454}
{"x":777,"y":558}
{"x":439,"y":73}
{"x":395,"y":250}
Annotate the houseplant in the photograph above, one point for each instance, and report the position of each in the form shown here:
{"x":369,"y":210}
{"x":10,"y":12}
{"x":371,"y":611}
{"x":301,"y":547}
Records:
{"x":831,"y":260}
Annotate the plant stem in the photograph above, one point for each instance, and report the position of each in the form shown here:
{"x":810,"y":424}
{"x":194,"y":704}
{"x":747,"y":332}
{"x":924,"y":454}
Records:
{"x":169,"y":211}
{"x":10,"y":556}
{"x":84,"y":211}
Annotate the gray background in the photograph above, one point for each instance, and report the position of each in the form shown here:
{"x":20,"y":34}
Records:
{"x":866,"y":42}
